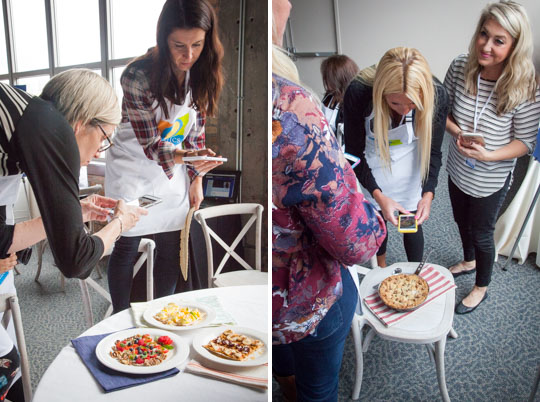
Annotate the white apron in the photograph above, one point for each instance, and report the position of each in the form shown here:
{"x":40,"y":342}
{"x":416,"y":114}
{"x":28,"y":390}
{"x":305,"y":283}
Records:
{"x":9,"y":190}
{"x":404,"y":183}
{"x":129,"y":174}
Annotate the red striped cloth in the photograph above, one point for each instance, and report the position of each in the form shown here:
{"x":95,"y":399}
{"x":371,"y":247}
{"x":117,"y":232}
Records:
{"x":438,"y":285}
{"x":250,"y":376}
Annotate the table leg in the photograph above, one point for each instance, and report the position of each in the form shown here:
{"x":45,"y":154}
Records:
{"x":356,"y":327}
{"x":439,"y":366}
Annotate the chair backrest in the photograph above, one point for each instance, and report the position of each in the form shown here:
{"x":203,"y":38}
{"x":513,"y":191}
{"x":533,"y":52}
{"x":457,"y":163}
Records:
{"x":255,"y":216}
{"x":9,"y":305}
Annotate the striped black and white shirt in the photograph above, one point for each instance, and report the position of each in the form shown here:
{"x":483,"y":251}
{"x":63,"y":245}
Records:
{"x":13,"y":102}
{"x":520,"y":123}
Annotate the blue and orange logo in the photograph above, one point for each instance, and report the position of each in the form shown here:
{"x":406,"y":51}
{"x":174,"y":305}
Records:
{"x":175,"y":132}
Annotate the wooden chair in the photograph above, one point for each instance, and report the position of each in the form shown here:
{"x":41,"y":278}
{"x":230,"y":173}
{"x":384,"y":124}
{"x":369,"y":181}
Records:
{"x":9,"y":306}
{"x":249,"y":275}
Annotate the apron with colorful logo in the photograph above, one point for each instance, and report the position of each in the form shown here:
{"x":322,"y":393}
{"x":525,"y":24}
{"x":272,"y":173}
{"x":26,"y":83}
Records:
{"x":129,"y":174}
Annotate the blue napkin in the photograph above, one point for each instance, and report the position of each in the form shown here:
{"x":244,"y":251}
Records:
{"x":111,"y":380}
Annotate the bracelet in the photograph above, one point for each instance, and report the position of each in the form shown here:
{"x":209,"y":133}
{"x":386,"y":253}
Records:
{"x":121,"y":226}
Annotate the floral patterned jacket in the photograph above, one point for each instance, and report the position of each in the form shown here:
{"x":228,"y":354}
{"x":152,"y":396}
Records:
{"x":320,"y":222}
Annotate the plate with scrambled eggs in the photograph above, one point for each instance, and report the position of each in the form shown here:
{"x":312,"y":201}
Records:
{"x":177,"y":315}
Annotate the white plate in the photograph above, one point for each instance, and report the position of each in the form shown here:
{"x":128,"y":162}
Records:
{"x":175,"y":356}
{"x":156,"y":307}
{"x":260,"y":356}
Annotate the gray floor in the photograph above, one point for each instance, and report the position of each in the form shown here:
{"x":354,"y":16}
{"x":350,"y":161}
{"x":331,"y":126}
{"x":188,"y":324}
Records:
{"x":51,"y":317}
{"x":497,"y":353}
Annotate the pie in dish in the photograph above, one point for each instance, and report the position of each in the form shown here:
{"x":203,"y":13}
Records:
{"x":233,"y":346}
{"x":403,"y":291}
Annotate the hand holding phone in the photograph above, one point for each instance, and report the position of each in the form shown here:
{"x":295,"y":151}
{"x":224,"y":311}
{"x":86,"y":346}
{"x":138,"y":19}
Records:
{"x":407,"y":224}
{"x":468,"y":138}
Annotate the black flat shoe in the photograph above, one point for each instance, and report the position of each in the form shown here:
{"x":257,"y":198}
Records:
{"x":463,"y":309}
{"x":470,"y":271}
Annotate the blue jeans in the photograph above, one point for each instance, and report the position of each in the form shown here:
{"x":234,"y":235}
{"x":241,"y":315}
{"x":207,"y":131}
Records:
{"x":123,"y":258}
{"x":315,"y":360}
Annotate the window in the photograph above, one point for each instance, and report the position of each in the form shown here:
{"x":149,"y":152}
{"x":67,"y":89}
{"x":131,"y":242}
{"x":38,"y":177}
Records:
{"x":29,"y":35}
{"x":77,"y":39}
{"x":133,"y":28}
{"x":102,"y":35}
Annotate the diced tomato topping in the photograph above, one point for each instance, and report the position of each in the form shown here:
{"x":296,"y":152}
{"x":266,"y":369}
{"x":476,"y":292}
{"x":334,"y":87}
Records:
{"x":139,"y":361}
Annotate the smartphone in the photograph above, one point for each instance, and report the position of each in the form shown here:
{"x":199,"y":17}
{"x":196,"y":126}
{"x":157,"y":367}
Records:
{"x":147,"y":201}
{"x":469,"y":138}
{"x":204,"y":158}
{"x":407,"y":224}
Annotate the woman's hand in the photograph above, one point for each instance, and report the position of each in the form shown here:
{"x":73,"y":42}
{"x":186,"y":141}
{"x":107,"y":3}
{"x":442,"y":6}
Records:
{"x":473,"y":150}
{"x":196,"y":195}
{"x":7,"y":264}
{"x":424,"y":207}
{"x":202,"y":167}
{"x":96,"y":207}
{"x":128,"y":214}
{"x":388,"y":207}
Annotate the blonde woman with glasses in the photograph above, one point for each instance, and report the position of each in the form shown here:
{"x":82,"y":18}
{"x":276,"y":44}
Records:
{"x":494,"y":96}
{"x":394,"y":115}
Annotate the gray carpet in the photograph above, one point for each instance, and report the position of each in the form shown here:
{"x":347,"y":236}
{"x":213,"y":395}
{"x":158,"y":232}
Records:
{"x":497,"y":353}
{"x":51,"y":317}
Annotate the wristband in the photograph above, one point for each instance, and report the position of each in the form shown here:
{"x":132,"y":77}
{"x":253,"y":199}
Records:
{"x":121,"y":226}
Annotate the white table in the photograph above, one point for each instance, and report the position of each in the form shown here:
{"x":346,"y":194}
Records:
{"x":67,"y":379}
{"x":428,"y":325}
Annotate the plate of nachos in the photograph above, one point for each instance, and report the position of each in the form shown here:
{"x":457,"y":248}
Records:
{"x":142,"y":350}
{"x":177,"y":315}
{"x":233,"y":346}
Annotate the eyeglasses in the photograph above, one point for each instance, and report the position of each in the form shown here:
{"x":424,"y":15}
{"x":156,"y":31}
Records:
{"x":109,"y":143}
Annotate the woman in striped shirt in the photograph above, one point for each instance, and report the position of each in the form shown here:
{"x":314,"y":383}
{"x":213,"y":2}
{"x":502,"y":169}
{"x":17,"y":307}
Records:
{"x":493,"y":92}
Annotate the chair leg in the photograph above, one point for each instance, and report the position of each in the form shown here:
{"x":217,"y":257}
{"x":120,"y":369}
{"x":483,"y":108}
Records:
{"x":356,"y":327}
{"x":453,"y":333}
{"x":87,"y":306}
{"x":439,"y":366}
{"x":41,"y":249}
{"x":369,"y":336}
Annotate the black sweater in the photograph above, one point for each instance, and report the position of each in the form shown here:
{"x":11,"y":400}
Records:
{"x":43,"y":146}
{"x":358,"y":104}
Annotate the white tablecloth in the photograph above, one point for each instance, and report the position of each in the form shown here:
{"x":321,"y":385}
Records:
{"x":67,"y":379}
{"x":509,"y":224}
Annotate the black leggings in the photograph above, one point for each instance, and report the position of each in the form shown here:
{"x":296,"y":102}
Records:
{"x":476,"y":218}
{"x":413,"y":243}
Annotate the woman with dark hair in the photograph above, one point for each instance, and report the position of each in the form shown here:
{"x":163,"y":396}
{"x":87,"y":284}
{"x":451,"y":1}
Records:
{"x":168,"y":92}
{"x":337,"y":72}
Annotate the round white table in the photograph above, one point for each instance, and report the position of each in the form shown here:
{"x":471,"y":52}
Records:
{"x":67,"y":378}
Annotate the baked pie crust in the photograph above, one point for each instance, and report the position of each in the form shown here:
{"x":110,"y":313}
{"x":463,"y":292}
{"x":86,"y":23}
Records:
{"x":233,"y":346}
{"x":403,"y":291}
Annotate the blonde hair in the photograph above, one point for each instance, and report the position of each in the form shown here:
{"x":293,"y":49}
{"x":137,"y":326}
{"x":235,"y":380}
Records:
{"x":517,"y":82}
{"x":402,"y":70}
{"x":82,"y":95}
{"x":282,"y":64}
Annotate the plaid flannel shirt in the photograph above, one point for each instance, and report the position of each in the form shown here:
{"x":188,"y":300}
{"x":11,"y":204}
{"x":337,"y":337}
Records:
{"x":137,"y":108}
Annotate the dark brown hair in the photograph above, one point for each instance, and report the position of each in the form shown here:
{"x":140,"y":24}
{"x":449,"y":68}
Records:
{"x":206,"y":78}
{"x":337,"y":72}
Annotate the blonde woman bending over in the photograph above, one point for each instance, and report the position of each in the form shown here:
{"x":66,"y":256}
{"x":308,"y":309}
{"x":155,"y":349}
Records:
{"x":493,"y":93}
{"x":395,"y":116}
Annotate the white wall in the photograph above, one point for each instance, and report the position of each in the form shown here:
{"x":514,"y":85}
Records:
{"x":440,"y":29}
